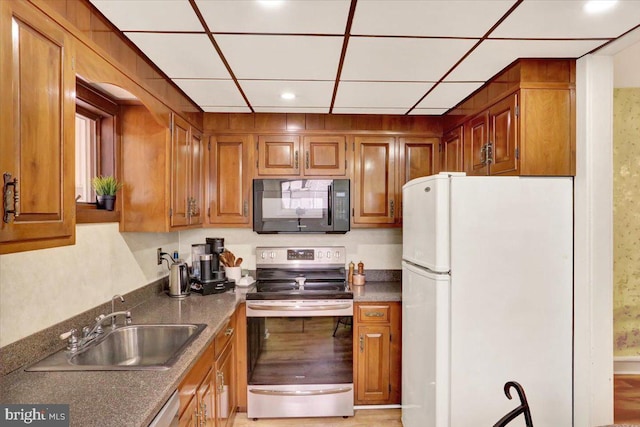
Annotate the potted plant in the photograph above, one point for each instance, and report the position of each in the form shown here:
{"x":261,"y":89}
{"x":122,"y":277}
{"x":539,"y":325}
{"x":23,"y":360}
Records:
{"x":106,"y":188}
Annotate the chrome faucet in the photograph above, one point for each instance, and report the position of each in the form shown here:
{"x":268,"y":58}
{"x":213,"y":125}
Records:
{"x":97,"y":328}
{"x":90,"y":334}
{"x":113,"y":308}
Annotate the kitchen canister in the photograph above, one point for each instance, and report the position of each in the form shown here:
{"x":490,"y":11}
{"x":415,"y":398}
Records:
{"x":358,"y":279}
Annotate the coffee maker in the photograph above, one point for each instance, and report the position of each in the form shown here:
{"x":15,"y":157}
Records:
{"x":212,"y":278}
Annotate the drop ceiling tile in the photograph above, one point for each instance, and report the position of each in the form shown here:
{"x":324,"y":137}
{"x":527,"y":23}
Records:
{"x":293,"y":17}
{"x":217,"y":109}
{"x":282,"y":57}
{"x":567,"y":19}
{"x":447,"y":95}
{"x":338,"y":110}
{"x":427,"y":18}
{"x":402,"y":59}
{"x":150,"y":15}
{"x":494,"y":55}
{"x":212,"y":92}
{"x":428,"y":111}
{"x":181,"y":55}
{"x":380,"y":95}
{"x":266,"y":93}
{"x":319,"y":110}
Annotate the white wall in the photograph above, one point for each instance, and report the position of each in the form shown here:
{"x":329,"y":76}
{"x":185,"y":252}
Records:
{"x":379,"y":249}
{"x":41,"y":288}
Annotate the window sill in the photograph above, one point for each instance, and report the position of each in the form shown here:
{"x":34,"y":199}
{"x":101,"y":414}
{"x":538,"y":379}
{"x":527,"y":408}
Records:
{"x":88,"y":213}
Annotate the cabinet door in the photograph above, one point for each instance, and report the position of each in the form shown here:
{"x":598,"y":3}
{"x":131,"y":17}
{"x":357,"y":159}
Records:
{"x":225,"y":387}
{"x":325,"y":155}
{"x":417,"y":156}
{"x":374,"y":181}
{"x":475,"y":140}
{"x":37,"y":113}
{"x":180,"y":165}
{"x":278,"y":155}
{"x":452,"y":149}
{"x":373,"y":363}
{"x":189,"y":417}
{"x":230,"y":179}
{"x":196,"y":195}
{"x":206,"y":400}
{"x":503,"y":135}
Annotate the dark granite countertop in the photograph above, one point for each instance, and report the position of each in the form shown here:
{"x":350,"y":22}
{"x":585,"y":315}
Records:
{"x":132,"y":398}
{"x":378,"y":291}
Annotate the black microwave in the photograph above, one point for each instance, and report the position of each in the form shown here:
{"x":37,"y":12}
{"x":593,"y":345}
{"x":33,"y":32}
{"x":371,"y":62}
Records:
{"x":301,"y":206}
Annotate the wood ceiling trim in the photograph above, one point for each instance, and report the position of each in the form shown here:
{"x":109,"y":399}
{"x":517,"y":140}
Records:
{"x":222,"y":57}
{"x":345,"y":44}
{"x":475,"y":46}
{"x":612,"y":40}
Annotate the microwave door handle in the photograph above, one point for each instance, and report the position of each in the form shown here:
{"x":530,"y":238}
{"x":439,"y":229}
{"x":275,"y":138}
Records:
{"x":330,"y":205}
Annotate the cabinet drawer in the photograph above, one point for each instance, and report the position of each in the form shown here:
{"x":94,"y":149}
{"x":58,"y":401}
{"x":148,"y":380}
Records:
{"x":225,"y":334}
{"x":373,"y":313}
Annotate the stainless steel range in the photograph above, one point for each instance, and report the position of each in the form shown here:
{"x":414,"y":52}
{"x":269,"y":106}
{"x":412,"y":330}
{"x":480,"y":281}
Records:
{"x":299,"y":336}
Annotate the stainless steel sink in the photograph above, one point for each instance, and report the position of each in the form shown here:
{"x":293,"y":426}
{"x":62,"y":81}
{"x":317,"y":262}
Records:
{"x":133,"y":347}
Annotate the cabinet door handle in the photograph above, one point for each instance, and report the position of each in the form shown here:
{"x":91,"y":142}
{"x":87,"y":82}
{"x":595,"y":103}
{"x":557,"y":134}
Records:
{"x":245,"y":208}
{"x":392,"y":205}
{"x":228,"y":332}
{"x":483,"y":154}
{"x":307,"y":160}
{"x":295,"y":160}
{"x":489,"y":152}
{"x":374,"y":314}
{"x":203,"y":418}
{"x":220,"y":376}
{"x":361,"y":343}
{"x":8,"y":194}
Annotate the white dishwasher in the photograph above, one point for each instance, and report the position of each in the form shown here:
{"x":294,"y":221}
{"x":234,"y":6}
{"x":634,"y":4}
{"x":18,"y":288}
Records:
{"x":168,"y":415}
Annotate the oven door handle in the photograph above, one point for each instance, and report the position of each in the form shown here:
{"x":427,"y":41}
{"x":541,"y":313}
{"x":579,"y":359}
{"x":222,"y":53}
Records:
{"x":301,"y":392}
{"x":299,"y":308}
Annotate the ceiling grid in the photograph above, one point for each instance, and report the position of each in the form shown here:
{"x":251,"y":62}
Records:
{"x":355,"y":56}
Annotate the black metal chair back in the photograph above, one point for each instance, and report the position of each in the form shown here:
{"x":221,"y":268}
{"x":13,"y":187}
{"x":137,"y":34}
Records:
{"x":522,"y":409}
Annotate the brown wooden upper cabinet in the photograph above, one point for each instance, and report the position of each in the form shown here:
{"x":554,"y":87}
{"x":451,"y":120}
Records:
{"x":187,"y":167}
{"x":451,"y":151}
{"x":162,"y":166}
{"x":311,"y":155}
{"x":492,"y":139}
{"x":382,"y":165}
{"x":230,"y":172}
{"x":37,"y":114}
{"x":522,"y":122}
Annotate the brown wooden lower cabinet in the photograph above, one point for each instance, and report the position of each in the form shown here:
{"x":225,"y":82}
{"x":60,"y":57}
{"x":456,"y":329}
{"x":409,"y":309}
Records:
{"x":377,"y":345}
{"x":195,"y":391}
{"x":208,"y":393}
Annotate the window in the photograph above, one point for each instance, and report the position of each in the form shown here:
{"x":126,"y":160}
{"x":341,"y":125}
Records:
{"x":96,"y":119}
{"x":86,"y":164}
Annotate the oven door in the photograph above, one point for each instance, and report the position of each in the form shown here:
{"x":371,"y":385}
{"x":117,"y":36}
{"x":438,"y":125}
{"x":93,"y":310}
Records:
{"x":300,"y":358}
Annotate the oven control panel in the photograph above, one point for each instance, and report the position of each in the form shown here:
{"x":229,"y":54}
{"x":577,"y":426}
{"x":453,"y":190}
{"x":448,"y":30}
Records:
{"x":321,"y":255}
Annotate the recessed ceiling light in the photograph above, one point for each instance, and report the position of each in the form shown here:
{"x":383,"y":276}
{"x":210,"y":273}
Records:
{"x":599,"y":6}
{"x":288,"y":95}
{"x":271,"y":3}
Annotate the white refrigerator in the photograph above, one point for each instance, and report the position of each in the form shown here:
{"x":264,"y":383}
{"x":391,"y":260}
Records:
{"x":487,"y":294}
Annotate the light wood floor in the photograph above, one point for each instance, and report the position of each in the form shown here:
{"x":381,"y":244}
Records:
{"x":626,"y":407}
{"x":368,"y":417}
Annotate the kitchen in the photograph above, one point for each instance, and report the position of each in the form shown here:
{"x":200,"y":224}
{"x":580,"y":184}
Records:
{"x":131,"y":262}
